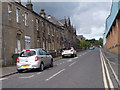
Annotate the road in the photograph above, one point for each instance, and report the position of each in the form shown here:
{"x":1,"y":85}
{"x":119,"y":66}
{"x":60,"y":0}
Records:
{"x":87,"y":70}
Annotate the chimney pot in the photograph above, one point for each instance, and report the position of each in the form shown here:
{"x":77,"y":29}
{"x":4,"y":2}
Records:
{"x":29,"y":5}
{"x":42,"y":13}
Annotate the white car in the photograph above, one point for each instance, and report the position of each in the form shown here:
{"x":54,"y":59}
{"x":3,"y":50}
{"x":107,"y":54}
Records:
{"x":69,"y":52}
{"x":34,"y":59}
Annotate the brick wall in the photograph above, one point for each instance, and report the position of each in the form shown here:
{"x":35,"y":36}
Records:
{"x":113,"y":38}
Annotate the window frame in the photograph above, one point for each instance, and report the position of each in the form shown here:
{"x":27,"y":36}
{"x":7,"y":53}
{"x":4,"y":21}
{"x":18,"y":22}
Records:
{"x":9,"y":11}
{"x":37,"y":24}
{"x":17,"y":15}
{"x":27,"y":42}
{"x":26,"y":19}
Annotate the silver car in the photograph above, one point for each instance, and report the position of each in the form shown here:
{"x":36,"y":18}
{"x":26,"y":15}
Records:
{"x":69,"y":52}
{"x":34,"y":59}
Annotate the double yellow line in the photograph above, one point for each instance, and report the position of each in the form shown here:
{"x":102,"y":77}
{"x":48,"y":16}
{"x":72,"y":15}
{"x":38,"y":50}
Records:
{"x":1,"y":79}
{"x":106,"y":76}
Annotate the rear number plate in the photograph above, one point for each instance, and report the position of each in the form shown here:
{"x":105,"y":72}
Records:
{"x":25,"y":65}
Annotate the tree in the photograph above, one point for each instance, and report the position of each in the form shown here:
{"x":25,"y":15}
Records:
{"x":85,"y":44}
{"x":100,"y":41}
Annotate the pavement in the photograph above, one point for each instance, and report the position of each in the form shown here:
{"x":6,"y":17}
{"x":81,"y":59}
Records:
{"x":87,"y":70}
{"x":113,"y":62}
{"x":113,"y":59}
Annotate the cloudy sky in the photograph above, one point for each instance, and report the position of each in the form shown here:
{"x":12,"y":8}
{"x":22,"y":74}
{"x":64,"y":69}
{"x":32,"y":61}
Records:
{"x":87,"y":17}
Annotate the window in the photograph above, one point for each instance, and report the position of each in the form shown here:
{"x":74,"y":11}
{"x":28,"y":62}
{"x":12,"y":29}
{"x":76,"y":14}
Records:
{"x":43,"y":26}
{"x":38,"y":43}
{"x":43,"y":45}
{"x":44,"y":52}
{"x":18,"y":46}
{"x":27,"y":42}
{"x":49,"y":45}
{"x":17,"y":15}
{"x":53,"y":45}
{"x":40,"y":52}
{"x":9,"y":11}
{"x":27,"y":53}
{"x":52,"y":31}
{"x":48,"y":30}
{"x":26,"y":19}
{"x":57,"y":38}
{"x":37,"y":24}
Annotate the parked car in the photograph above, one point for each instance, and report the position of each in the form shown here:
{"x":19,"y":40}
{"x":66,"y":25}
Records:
{"x":71,"y":52}
{"x":34,"y":59}
{"x":91,"y":48}
{"x":53,"y":53}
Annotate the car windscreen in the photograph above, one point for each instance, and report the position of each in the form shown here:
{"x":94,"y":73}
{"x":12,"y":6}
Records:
{"x":67,"y":48}
{"x":27,"y":53}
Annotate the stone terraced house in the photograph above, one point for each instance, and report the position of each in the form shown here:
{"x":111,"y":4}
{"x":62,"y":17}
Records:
{"x":22,"y":28}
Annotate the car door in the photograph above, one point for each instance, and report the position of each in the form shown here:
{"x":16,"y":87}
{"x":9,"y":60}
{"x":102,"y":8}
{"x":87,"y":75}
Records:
{"x":48,"y":57}
{"x":42,"y":56}
{"x":47,"y":60}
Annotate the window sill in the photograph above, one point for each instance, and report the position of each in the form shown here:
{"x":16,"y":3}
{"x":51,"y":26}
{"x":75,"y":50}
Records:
{"x":18,"y":22}
{"x":9,"y":19}
{"x":26,"y":25}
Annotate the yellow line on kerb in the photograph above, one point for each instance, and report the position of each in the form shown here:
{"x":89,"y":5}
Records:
{"x":108,"y":75}
{"x":104,"y":68}
{"x":2,"y":79}
{"x":103,"y":71}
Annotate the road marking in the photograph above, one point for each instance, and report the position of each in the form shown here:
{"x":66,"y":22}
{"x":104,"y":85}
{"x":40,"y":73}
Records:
{"x":113,"y":70}
{"x":106,"y":69}
{"x":75,"y":57}
{"x":69,"y":60}
{"x":108,"y":75}
{"x":72,"y":63}
{"x":1,"y":79}
{"x":79,"y":55}
{"x":39,"y":73}
{"x":27,"y":76}
{"x":63,"y":60}
{"x":113,"y":63}
{"x":55,"y":75}
{"x":103,"y":71}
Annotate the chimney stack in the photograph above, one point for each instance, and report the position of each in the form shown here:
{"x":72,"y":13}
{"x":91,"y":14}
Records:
{"x":42,"y":13}
{"x":29,"y":5}
{"x":49,"y":16}
{"x":18,"y":1}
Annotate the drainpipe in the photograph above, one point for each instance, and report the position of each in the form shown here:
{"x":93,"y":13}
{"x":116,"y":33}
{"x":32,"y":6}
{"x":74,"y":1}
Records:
{"x":5,"y":61}
{"x":4,"y":46}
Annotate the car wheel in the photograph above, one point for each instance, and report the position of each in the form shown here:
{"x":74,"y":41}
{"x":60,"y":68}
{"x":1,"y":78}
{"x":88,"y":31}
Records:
{"x":51,"y":64}
{"x":63,"y":56}
{"x":19,"y":71}
{"x":75,"y":55}
{"x":41,"y":67}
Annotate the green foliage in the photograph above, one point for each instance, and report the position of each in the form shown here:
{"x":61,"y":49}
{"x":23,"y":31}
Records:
{"x":100,"y":41}
{"x":91,"y":42}
{"x":85,"y":44}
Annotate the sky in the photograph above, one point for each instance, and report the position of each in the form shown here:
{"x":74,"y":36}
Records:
{"x":87,"y":17}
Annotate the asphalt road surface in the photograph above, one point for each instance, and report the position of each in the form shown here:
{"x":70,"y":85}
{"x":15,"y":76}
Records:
{"x":87,"y":70}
